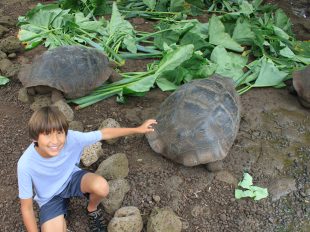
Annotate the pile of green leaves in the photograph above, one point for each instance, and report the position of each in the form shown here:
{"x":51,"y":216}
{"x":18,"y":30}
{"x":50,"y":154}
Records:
{"x":179,"y":64}
{"x":155,"y":9}
{"x":257,"y":193}
{"x":94,"y":7}
{"x":249,"y":42}
{"x":53,"y":26}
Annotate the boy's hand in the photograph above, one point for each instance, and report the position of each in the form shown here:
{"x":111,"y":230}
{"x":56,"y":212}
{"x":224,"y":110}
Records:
{"x":147,"y":126}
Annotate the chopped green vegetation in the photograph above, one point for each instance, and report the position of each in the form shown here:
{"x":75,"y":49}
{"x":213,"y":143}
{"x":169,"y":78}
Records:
{"x":248,"y":41}
{"x":257,"y":193}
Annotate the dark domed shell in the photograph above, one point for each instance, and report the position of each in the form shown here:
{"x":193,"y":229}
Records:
{"x":74,"y":70}
{"x":198,"y":123}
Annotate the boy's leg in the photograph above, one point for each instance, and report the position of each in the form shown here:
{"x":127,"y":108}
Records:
{"x":97,"y":188}
{"x":56,"y":224}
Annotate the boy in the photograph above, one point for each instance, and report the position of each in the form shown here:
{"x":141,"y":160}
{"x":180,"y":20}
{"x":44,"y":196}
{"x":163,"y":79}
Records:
{"x":49,"y":166}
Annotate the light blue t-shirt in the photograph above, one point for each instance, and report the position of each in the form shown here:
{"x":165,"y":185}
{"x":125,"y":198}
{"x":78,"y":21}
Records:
{"x":49,"y":176}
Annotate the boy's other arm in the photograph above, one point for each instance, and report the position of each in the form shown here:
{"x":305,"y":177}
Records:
{"x":111,"y":133}
{"x":28,"y":215}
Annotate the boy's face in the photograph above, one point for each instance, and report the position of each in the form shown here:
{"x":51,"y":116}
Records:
{"x":50,"y":145}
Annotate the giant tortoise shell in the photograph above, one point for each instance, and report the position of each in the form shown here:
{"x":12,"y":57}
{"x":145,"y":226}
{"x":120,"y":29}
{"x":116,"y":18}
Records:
{"x":198,"y":123}
{"x":74,"y":70}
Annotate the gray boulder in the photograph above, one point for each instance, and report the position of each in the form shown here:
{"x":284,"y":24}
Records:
{"x":126,"y":219}
{"x":65,"y":109}
{"x":281,"y":187}
{"x":10,"y":44}
{"x":3,"y":30}
{"x":12,"y":70}
{"x":163,"y":220}
{"x":91,"y":154}
{"x":24,"y":97}
{"x":114,"y":167}
{"x":118,"y":190}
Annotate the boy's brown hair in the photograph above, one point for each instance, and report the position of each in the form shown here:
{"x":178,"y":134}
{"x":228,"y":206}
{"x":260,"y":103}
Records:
{"x":46,"y":120}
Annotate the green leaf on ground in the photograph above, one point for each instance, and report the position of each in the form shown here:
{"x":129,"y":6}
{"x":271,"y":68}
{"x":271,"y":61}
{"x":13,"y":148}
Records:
{"x":257,"y":193}
{"x":4,"y":80}
{"x":269,"y":75}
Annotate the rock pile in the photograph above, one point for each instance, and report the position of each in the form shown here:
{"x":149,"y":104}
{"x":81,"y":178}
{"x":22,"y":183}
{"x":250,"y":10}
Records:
{"x":9,"y":46}
{"x":115,"y":169}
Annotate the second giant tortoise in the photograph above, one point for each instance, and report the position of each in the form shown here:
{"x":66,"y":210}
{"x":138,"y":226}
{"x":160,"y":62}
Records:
{"x":198,"y":123}
{"x":301,"y":83}
{"x":73,"y":70}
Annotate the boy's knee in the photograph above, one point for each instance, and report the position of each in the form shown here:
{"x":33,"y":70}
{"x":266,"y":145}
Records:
{"x":101,"y":187}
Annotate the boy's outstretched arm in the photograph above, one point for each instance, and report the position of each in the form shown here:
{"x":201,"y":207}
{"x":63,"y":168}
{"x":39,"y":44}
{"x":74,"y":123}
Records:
{"x":111,"y":133}
{"x":28,"y":215}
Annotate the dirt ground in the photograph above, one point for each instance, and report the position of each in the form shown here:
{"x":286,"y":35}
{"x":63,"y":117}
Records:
{"x":273,"y":145}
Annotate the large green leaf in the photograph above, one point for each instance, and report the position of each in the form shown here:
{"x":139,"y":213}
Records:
{"x":176,"y":5}
{"x":140,"y":86}
{"x":228,"y":64}
{"x":196,"y":36}
{"x":165,"y":85}
{"x":218,"y":36}
{"x":150,"y":4}
{"x":175,"y":57}
{"x":282,"y":21}
{"x":243,"y":33}
{"x":269,"y":75}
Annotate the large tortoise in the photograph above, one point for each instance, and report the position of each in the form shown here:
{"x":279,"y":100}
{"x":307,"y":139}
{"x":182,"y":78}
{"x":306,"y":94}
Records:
{"x":198,"y":123}
{"x":73,"y":70}
{"x":301,"y":83}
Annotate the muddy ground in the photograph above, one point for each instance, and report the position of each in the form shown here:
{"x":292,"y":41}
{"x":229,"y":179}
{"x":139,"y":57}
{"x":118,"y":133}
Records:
{"x":273,"y":145}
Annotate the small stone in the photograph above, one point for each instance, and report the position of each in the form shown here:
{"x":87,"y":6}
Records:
{"x":7,"y":20}
{"x":65,"y":109}
{"x":156,"y":198}
{"x":163,"y":220}
{"x":3,"y":55}
{"x":226,"y":177}
{"x":3,"y":30}
{"x":76,"y":126}
{"x":24,"y":97}
{"x":126,"y":219}
{"x":282,"y":187}
{"x":91,"y":154}
{"x":5,"y":64}
{"x":110,"y":123}
{"x":12,"y":55}
{"x":223,"y":217}
{"x":11,"y":44}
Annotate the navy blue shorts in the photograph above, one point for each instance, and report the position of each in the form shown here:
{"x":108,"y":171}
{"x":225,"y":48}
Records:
{"x":58,"y":205}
